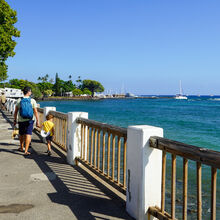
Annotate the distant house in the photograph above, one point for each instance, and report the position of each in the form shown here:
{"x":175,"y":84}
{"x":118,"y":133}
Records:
{"x":12,"y":93}
{"x":69,"y":94}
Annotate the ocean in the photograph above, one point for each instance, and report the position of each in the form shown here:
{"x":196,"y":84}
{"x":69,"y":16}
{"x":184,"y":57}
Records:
{"x":194,"y":121}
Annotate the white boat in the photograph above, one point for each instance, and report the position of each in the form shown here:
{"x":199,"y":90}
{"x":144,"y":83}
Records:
{"x":130,"y":95}
{"x":180,"y":95}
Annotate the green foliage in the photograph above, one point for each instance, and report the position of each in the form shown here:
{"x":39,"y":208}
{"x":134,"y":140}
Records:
{"x":3,"y":71}
{"x":48,"y":92}
{"x":43,"y":78}
{"x":79,"y":83}
{"x":77,"y":92}
{"x":43,"y":86}
{"x":20,"y":84}
{"x":57,"y":85}
{"x":87,"y":91}
{"x":60,"y":86}
{"x":7,"y":32}
{"x":93,"y":86}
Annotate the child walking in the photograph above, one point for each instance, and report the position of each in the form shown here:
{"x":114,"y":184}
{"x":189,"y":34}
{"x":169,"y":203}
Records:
{"x":48,"y":126}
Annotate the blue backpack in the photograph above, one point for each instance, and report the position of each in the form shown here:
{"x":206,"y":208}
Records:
{"x":26,"y":110}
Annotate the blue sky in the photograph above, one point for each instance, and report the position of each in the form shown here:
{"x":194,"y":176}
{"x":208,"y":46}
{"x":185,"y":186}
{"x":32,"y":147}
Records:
{"x":143,"y":46}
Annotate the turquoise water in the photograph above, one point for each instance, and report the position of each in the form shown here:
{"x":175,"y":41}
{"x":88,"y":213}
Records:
{"x":194,"y":121}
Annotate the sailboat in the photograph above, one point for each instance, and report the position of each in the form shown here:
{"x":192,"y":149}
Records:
{"x":180,"y":95}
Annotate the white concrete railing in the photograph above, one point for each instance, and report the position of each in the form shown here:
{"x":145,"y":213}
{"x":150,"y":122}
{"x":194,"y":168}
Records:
{"x":10,"y":105}
{"x":143,"y":163}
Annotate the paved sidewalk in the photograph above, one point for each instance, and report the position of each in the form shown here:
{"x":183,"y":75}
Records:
{"x":43,"y":187}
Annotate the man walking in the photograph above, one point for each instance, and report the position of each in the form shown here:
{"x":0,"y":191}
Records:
{"x":26,"y":108}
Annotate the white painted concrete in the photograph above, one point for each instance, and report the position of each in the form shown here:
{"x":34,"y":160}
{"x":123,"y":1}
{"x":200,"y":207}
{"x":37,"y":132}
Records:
{"x":47,"y":109}
{"x":144,"y":169}
{"x":74,"y":136}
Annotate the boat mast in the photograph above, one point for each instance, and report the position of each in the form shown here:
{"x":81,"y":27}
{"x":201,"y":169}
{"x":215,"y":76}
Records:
{"x":181,"y":91}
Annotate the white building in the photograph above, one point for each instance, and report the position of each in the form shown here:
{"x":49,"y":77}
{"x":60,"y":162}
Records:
{"x":11,"y":92}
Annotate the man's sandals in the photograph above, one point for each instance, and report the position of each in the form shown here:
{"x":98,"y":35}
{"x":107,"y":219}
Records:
{"x":27,"y":153}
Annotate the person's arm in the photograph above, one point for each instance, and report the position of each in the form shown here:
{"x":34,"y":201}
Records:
{"x":36,"y":116}
{"x":15,"y":115}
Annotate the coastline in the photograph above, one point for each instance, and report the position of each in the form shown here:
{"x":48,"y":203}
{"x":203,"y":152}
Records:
{"x":89,"y":98}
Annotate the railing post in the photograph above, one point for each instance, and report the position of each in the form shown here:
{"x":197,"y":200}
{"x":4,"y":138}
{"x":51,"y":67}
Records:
{"x":144,"y":170}
{"x":74,"y":136}
{"x":46,"y":111}
{"x":14,"y":105}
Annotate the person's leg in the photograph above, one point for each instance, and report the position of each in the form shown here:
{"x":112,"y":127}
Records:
{"x":21,"y":138}
{"x":28,"y":133}
{"x":27,"y":142}
{"x":49,"y":145}
{"x":21,"y":127}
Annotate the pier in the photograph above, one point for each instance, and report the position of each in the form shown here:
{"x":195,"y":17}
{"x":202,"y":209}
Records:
{"x":111,"y":172}
{"x":41,"y":187}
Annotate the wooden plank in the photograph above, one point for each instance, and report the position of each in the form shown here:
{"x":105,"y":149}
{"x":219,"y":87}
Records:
{"x":108,"y":155}
{"x":173,"y":187}
{"x":60,"y":115}
{"x":119,"y":159}
{"x":103,"y":153}
{"x":113,"y":158}
{"x":41,"y":110}
{"x":88,"y":134}
{"x":203,"y":155}
{"x":185,"y":187}
{"x":95,"y":148}
{"x":163,"y":181}
{"x":213,"y":198}
{"x":104,"y":127}
{"x":91,"y":155}
{"x":154,"y":211}
{"x":199,"y":191}
{"x":99,"y":143}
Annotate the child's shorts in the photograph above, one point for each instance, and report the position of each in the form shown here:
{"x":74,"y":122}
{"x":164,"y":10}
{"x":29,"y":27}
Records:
{"x":49,"y":138}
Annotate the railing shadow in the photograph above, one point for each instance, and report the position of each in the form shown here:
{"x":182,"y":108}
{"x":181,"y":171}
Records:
{"x":86,"y":197}
{"x":83,"y":194}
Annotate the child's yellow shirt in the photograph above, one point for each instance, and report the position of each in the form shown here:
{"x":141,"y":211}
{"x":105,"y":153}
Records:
{"x":48,"y":127}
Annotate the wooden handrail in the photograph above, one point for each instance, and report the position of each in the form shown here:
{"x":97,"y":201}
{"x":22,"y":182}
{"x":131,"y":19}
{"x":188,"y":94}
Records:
{"x":59,"y":115}
{"x":202,"y":155}
{"x":103,"y":126}
{"x":41,"y":110}
{"x":187,"y":152}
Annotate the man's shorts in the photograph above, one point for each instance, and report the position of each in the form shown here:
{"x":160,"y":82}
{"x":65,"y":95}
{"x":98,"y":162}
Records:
{"x":26,"y":127}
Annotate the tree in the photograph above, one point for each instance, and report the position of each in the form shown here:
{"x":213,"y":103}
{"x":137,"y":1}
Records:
{"x":87,"y":91}
{"x":77,"y":92}
{"x":79,"y":82}
{"x":43,"y":86}
{"x":93,"y":86}
{"x":48,"y":92}
{"x":7,"y":32}
{"x":43,"y":78}
{"x":57,"y":85}
{"x":20,"y":84}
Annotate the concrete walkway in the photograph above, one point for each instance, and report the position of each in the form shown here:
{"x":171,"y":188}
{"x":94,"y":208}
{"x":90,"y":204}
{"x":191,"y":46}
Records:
{"x":43,"y":187}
